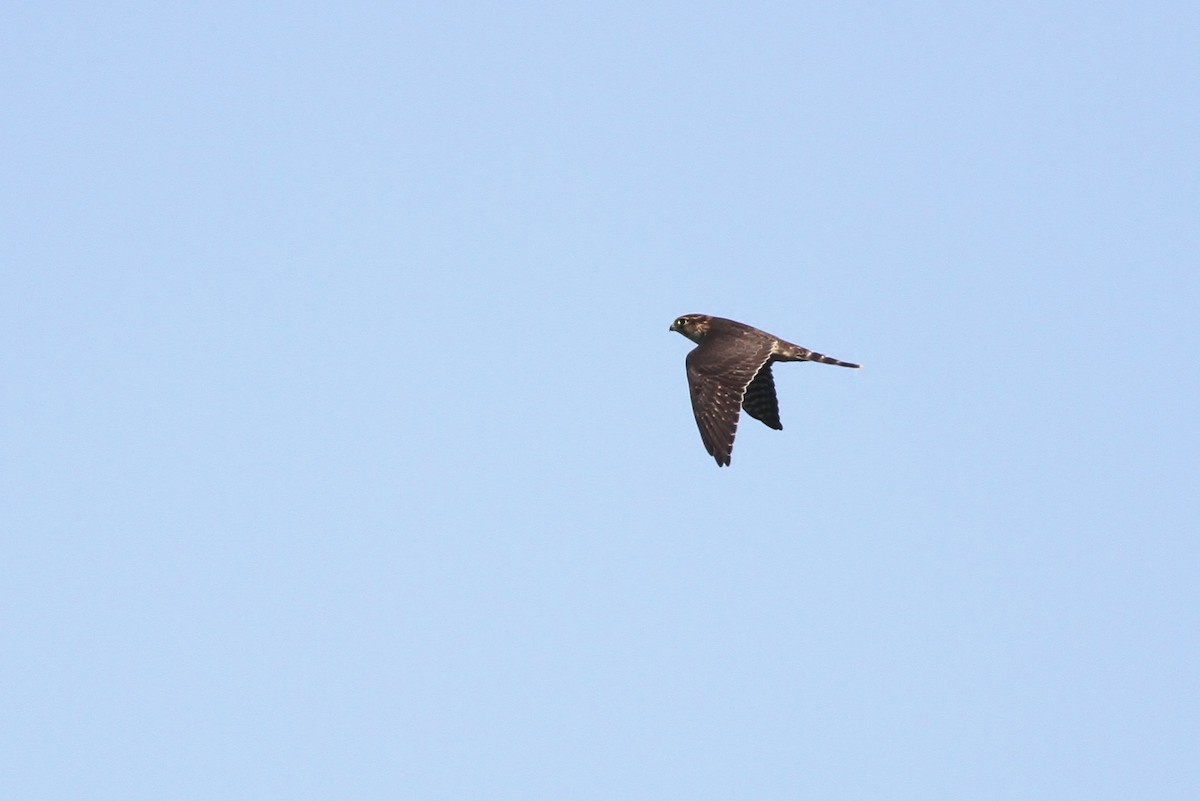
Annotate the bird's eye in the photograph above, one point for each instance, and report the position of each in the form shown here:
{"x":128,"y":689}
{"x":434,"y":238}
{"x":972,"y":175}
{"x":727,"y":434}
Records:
{"x":678,"y":322}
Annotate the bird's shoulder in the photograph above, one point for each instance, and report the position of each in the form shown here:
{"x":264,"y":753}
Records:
{"x":731,"y":348}
{"x":723,"y":327}
{"x":730,"y":336}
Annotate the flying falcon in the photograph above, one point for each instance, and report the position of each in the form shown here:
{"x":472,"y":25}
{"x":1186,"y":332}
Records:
{"x":730,"y":370}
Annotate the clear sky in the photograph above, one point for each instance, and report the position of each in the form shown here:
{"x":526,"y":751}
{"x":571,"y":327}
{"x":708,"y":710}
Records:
{"x":347,"y":455}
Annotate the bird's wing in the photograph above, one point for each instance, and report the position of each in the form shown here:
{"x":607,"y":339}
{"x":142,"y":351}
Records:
{"x":719,"y":370}
{"x":760,"y":401}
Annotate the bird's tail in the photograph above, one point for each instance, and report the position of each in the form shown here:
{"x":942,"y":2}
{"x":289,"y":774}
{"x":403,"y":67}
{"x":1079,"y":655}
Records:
{"x":823,"y":359}
{"x":795,"y":353}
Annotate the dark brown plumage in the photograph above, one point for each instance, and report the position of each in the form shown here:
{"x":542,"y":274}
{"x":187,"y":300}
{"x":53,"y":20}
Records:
{"x":729,"y":370}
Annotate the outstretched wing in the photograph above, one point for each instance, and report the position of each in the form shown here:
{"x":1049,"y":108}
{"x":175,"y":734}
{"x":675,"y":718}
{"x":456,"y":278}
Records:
{"x":760,"y":401}
{"x":719,"y":372}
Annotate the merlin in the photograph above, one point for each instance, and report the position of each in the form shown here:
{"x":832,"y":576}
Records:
{"x":730,"y":370}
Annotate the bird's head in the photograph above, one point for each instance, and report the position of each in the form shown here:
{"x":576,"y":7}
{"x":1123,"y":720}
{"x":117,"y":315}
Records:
{"x":692,"y":326}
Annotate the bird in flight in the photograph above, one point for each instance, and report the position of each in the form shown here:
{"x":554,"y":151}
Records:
{"x":730,"y":370}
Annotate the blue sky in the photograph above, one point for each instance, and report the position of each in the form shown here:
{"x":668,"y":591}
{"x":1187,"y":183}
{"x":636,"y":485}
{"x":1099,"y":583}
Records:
{"x":348,"y":455}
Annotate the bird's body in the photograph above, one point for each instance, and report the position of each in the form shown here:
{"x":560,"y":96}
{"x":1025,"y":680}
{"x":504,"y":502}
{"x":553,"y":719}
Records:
{"x":729,"y":370}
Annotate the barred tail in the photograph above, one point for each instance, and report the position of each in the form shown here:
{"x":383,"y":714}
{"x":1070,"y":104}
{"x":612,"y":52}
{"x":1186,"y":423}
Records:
{"x":828,"y":360}
{"x":787,"y":352}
